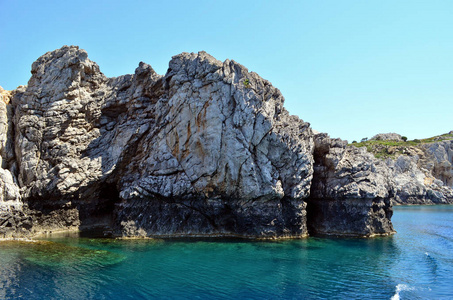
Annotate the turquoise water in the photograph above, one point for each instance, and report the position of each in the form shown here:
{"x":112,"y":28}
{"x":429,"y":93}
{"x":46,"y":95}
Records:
{"x":416,"y":263}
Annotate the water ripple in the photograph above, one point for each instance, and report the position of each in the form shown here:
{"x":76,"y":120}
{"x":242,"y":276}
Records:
{"x":414,"y":264}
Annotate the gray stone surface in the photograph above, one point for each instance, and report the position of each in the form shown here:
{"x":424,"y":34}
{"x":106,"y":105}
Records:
{"x":207,"y":149}
{"x":219,"y":154}
{"x":56,"y":118}
{"x":439,"y":160}
{"x":13,"y":221}
{"x":425,"y":174}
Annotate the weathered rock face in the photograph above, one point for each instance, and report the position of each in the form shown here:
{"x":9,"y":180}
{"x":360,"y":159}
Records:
{"x":422,"y":169}
{"x":13,"y":221}
{"x":440,"y":161}
{"x":224,"y":152}
{"x":56,"y":118}
{"x":425,"y":174}
{"x":207,"y":149}
{"x":351,"y":191}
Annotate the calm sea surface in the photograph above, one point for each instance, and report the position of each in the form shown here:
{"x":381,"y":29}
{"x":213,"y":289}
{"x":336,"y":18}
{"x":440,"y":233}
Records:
{"x":416,"y":263}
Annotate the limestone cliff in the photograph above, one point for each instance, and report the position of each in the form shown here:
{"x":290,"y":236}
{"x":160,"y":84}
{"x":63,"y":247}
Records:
{"x":427,"y":176}
{"x":205,"y":150}
{"x":422,"y":169}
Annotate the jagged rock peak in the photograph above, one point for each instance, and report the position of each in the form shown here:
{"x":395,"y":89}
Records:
{"x":61,"y":58}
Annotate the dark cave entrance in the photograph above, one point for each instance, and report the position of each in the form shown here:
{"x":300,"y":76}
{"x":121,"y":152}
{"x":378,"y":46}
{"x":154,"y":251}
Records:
{"x":108,"y":196}
{"x":313,"y":214}
{"x":98,"y":215}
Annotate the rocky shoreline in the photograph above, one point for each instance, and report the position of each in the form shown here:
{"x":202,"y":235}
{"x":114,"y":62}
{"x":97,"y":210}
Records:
{"x":205,"y":150}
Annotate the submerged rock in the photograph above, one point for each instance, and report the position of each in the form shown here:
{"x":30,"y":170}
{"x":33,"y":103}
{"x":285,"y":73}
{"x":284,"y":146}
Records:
{"x":58,"y":255}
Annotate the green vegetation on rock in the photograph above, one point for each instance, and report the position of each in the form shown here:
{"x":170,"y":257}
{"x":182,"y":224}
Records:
{"x":392,"y":149}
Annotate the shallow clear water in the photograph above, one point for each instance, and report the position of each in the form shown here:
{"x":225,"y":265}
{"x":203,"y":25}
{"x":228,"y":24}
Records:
{"x":416,"y":263}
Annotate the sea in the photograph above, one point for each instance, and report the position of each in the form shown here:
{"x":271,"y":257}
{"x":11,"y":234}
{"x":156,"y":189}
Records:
{"x":415,"y":263}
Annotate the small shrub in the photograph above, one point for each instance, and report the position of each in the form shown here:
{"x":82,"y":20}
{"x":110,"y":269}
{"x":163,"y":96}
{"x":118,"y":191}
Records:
{"x":354,"y":142}
{"x":417,"y":141}
{"x":364,"y":140}
{"x":404,"y":138}
{"x":247,"y":83}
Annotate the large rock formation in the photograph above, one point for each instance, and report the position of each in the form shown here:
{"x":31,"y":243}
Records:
{"x":206,"y":150}
{"x":351,"y":191}
{"x":223,"y":156}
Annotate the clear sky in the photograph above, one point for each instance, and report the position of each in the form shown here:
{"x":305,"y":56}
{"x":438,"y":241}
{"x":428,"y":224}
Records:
{"x":350,"y":68}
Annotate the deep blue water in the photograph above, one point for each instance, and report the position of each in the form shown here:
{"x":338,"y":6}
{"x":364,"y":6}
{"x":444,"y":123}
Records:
{"x":416,"y":263}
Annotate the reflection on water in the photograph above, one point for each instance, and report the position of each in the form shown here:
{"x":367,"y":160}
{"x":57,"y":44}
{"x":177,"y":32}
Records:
{"x":45,"y":253}
{"x":416,"y":263}
{"x":9,"y":268}
{"x":49,"y":269}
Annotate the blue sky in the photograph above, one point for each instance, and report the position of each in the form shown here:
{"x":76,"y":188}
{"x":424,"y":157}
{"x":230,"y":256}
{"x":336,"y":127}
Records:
{"x":350,"y":68}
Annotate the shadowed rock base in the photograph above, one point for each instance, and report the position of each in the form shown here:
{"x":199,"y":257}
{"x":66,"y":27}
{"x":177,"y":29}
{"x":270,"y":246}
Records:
{"x":212,"y":218}
{"x":349,"y":217}
{"x":14,"y":222}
